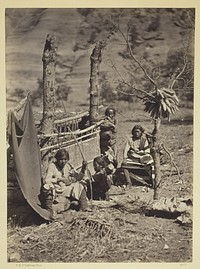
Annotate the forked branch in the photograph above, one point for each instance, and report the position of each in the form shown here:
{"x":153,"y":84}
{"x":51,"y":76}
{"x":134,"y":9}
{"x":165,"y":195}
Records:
{"x":182,"y":70}
{"x":134,"y":58}
{"x":128,"y":84}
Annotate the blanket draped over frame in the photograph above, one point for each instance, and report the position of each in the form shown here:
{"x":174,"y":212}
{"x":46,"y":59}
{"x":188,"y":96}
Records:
{"x":27,"y":158}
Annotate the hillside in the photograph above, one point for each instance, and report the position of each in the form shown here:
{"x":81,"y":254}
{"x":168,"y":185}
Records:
{"x":26,"y":31}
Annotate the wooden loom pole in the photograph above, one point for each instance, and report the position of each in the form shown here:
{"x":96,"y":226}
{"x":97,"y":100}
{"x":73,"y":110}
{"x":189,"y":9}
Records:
{"x":82,"y":154}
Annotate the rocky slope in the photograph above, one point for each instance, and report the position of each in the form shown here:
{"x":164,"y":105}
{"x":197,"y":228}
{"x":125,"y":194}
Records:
{"x":26,"y":31}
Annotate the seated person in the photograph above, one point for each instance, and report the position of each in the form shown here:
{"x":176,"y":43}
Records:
{"x":108,"y":131}
{"x":63,"y":184}
{"x":102,"y":180}
{"x":136,"y":150}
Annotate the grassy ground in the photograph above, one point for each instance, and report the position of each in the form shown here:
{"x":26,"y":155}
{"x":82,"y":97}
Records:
{"x":122,"y":233}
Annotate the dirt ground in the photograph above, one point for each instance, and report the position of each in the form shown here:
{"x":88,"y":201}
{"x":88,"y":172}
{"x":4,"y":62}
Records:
{"x":122,"y":231}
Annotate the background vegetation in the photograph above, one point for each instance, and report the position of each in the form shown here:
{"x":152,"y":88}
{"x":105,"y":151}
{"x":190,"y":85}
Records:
{"x":162,"y":39}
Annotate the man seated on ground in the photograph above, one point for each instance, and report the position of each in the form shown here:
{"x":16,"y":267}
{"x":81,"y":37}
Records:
{"x":63,"y":184}
{"x":137,"y":150}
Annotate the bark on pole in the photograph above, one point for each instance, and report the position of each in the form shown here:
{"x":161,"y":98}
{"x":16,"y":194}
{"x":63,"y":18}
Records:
{"x":156,"y":157}
{"x":49,"y":64}
{"x":95,"y":59}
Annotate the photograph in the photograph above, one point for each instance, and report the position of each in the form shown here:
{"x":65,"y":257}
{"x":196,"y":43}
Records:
{"x":99,"y":134}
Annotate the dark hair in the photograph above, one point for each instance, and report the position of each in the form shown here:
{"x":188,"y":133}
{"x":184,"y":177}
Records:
{"x":137,"y":127}
{"x":62,"y":153}
{"x":108,"y":109}
{"x":100,"y":161}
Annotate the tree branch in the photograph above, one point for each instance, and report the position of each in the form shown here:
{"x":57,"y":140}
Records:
{"x":172,"y":162}
{"x":185,"y":61}
{"x":134,"y":58}
{"x":126,"y":83}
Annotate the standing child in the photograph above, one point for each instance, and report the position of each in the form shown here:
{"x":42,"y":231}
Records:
{"x":108,"y":132}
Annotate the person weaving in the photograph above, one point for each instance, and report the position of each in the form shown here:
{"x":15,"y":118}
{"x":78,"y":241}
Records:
{"x":137,"y":150}
{"x":64,"y":184}
{"x":137,"y":146}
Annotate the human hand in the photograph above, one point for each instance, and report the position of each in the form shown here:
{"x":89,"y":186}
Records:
{"x":59,"y":180}
{"x":85,"y":180}
{"x":64,"y":181}
{"x":61,"y":183}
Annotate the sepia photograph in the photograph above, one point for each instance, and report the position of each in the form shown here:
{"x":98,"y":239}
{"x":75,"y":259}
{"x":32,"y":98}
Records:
{"x":99,"y":134}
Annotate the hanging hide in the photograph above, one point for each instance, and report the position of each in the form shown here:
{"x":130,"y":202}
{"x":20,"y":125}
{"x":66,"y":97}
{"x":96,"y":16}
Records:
{"x":27,"y":160}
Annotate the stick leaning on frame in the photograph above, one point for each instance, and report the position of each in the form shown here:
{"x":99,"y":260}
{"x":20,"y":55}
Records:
{"x":82,"y":154}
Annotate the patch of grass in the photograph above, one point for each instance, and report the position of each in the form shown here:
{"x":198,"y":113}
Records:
{"x":116,"y":234}
{"x":86,"y":238}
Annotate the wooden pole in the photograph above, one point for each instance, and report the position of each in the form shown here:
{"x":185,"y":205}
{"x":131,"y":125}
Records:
{"x":49,"y":64}
{"x":84,"y":159}
{"x":156,"y":157}
{"x":95,"y":59}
